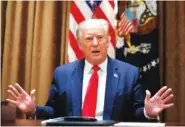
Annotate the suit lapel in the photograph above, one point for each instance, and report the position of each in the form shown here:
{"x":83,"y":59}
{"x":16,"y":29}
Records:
{"x":76,"y":87}
{"x":111,"y":88}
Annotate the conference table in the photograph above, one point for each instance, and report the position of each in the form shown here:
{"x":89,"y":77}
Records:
{"x":27,"y":122}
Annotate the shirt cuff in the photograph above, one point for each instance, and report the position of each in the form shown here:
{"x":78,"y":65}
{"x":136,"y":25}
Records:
{"x":31,"y":116}
{"x":157,"y":117}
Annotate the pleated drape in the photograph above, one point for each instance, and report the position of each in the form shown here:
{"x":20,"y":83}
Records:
{"x":35,"y":42}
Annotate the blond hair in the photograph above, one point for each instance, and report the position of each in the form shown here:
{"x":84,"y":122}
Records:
{"x":92,"y":23}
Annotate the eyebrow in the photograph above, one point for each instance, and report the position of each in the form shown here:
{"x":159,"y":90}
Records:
{"x":95,"y":34}
{"x":91,"y":34}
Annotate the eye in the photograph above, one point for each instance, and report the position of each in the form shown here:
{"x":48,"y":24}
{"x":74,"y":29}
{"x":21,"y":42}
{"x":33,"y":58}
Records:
{"x":99,"y":37}
{"x":89,"y":38}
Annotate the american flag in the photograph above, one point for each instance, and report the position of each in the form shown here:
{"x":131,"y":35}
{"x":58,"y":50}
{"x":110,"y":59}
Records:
{"x":125,"y":25}
{"x":81,"y":10}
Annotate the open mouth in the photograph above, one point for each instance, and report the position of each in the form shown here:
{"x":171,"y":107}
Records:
{"x":95,"y":52}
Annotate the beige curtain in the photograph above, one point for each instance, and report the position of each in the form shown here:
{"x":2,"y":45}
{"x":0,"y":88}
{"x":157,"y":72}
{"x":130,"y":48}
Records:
{"x":172,"y":55}
{"x":35,"y":40}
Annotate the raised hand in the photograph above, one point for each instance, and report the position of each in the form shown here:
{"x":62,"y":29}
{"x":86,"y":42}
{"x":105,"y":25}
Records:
{"x":160,"y":101}
{"x":22,"y":100}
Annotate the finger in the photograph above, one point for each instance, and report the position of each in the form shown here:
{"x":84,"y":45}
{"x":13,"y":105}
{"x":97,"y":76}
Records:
{"x":148,"y":95}
{"x":14,"y":90}
{"x":168,"y":105}
{"x":167,"y":99}
{"x":32,"y":94}
{"x":155,"y":98}
{"x":11,"y":101}
{"x":166,"y":93}
{"x":161,"y":91}
{"x":12,"y":94}
{"x":20,"y":88}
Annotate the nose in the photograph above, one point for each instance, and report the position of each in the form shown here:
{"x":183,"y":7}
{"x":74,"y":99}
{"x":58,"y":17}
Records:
{"x":95,"y":41}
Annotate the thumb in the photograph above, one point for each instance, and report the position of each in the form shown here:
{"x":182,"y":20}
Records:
{"x":32,"y":94}
{"x":148,"y":95}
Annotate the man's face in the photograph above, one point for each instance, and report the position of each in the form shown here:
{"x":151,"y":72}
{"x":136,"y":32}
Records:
{"x":94,"y":43}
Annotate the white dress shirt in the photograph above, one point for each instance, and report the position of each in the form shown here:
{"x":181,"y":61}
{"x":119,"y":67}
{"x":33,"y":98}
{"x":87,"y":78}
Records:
{"x":102,"y":74}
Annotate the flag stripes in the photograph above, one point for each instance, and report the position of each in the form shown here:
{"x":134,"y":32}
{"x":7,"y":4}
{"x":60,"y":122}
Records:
{"x":81,"y":10}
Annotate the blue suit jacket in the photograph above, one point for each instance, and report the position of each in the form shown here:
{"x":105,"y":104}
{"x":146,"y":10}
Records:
{"x":124,"y":96}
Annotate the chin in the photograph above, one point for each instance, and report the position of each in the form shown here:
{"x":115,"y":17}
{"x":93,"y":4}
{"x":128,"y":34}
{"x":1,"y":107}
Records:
{"x":97,"y":59}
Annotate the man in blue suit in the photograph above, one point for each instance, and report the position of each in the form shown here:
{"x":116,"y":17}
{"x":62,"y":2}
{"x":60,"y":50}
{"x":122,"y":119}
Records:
{"x":118,"y":94}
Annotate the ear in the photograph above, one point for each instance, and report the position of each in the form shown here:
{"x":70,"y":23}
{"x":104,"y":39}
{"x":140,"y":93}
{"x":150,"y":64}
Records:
{"x":109,"y":38}
{"x":79,"y":43}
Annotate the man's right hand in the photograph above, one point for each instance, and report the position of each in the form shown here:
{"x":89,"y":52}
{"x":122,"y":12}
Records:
{"x":22,"y":100}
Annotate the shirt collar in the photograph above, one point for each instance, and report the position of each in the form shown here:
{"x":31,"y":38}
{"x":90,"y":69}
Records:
{"x":103,"y":66}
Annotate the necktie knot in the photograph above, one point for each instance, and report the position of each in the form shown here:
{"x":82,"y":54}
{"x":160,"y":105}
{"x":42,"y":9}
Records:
{"x":96,"y":68}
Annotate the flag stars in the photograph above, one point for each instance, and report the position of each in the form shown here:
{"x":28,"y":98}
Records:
{"x":149,"y":66}
{"x":157,"y":61}
{"x":153,"y":63}
{"x":145,"y":68}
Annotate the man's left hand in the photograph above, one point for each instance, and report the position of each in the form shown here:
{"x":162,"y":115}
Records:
{"x":160,"y":101}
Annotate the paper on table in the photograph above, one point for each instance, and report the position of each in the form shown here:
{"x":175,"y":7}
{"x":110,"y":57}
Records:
{"x":52,"y":120}
{"x":137,"y":124}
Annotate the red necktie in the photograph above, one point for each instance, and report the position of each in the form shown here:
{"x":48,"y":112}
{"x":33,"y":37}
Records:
{"x":89,"y":107}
